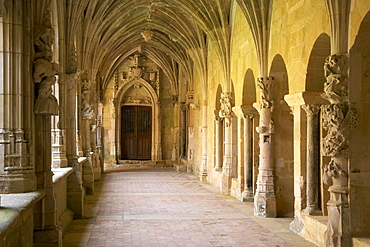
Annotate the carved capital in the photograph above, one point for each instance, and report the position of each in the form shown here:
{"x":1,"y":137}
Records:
{"x":311,"y":110}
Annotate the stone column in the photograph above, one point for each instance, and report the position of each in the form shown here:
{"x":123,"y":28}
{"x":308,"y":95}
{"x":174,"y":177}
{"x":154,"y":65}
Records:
{"x":245,"y":152}
{"x":225,"y":113}
{"x":86,"y":116}
{"x":75,"y":191}
{"x":218,"y":141}
{"x":46,"y":105}
{"x":17,"y":173}
{"x":264,"y":200}
{"x":338,"y":118}
{"x":58,"y":134}
{"x":204,"y":167}
{"x":312,"y":165}
{"x":248,"y":195}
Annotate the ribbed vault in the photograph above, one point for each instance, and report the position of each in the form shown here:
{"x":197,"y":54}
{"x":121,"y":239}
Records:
{"x":112,"y":30}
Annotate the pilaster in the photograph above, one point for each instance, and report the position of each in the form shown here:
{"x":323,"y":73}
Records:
{"x":218,"y":141}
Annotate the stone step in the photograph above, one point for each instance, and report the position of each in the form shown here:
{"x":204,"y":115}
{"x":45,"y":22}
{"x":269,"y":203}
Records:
{"x":361,"y":242}
{"x":180,"y":167}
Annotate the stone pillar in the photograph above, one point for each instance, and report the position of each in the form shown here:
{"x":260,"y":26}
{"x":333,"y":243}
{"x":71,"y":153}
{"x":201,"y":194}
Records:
{"x":218,"y":141}
{"x":17,"y":174}
{"x":59,"y":158}
{"x":75,"y":191}
{"x":245,"y":152}
{"x":338,"y":118}
{"x":226,"y":114}
{"x":86,"y":115}
{"x":296,"y":101}
{"x":175,"y":130}
{"x":312,"y":165}
{"x":204,"y":166}
{"x":44,"y":71}
{"x":248,"y":195}
{"x":264,"y":200}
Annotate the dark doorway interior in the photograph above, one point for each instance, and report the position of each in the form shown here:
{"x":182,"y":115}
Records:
{"x":136,"y":138}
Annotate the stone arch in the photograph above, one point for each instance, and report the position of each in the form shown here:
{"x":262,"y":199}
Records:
{"x":283,"y":142}
{"x":145,"y":95}
{"x":249,"y":88}
{"x":359,"y":97}
{"x":315,"y":77}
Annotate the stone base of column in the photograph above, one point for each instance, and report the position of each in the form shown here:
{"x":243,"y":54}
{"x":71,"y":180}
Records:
{"x":49,"y":238}
{"x":265,"y":204}
{"x":311,"y":210}
{"x":338,"y":228}
{"x":17,"y":183}
{"x":247,"y":196}
{"x":75,"y":191}
{"x":225,"y":184}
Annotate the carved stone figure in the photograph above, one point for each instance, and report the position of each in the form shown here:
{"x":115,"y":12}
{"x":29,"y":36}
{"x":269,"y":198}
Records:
{"x":266,"y":87}
{"x":87,"y":111}
{"x":46,"y":103}
{"x":225,"y":100}
{"x":335,"y":87}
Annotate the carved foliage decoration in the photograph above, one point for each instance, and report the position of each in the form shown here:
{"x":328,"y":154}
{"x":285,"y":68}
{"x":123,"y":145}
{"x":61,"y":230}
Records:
{"x":336,"y":85}
{"x":44,"y":70}
{"x":338,"y":119}
{"x":225,"y":100}
{"x":338,"y":116}
{"x":266,"y":86}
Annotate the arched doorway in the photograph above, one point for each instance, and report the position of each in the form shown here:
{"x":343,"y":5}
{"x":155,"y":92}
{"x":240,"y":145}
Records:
{"x":138,"y":132}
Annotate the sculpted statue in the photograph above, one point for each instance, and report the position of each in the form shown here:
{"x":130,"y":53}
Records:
{"x":44,"y":70}
{"x":46,"y":103}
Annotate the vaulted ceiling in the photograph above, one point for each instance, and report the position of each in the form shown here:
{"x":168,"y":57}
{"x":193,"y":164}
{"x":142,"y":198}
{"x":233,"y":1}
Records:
{"x":110,"y":31}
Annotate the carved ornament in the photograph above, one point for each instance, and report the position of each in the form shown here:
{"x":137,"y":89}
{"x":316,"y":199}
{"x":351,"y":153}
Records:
{"x":333,"y":170}
{"x":44,"y":70}
{"x":266,"y":86}
{"x":338,"y":119}
{"x":225,"y":100}
{"x":336,"y":85}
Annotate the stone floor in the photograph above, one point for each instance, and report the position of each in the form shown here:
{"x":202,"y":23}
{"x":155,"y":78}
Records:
{"x":163,"y":207}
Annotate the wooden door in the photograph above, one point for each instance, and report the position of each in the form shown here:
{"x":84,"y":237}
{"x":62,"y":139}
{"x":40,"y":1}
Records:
{"x":136,"y":132}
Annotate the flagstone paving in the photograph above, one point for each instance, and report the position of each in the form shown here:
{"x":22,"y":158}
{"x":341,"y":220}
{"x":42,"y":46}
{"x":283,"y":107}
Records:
{"x":163,"y":207}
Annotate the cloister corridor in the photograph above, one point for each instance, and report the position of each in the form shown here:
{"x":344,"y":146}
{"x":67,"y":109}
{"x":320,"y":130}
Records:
{"x":164,"y":207}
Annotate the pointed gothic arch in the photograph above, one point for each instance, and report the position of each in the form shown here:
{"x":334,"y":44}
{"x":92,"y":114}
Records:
{"x":139,"y":92}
